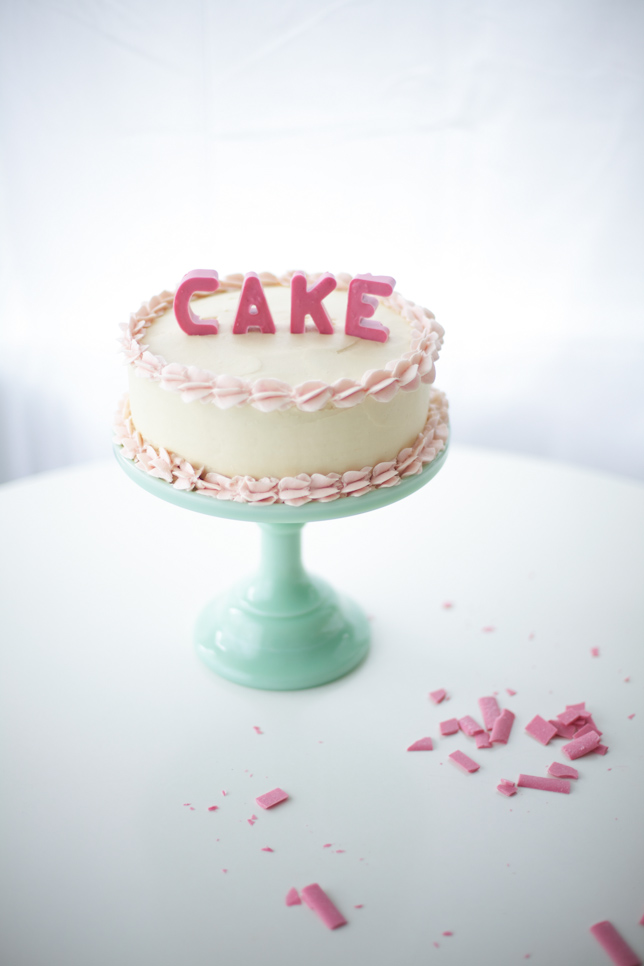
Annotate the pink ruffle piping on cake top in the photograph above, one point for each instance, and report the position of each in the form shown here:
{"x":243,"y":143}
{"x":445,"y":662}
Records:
{"x":194,"y":384}
{"x":292,"y":490}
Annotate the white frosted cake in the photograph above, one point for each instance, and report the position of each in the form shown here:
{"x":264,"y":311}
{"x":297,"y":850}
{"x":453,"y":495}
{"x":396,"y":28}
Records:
{"x":280,"y":415}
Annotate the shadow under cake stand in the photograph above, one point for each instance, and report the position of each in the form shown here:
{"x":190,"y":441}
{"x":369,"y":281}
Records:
{"x":281,"y":629}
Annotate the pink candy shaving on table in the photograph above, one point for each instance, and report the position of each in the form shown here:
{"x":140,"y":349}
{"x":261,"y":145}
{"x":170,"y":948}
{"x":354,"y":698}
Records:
{"x":614,"y":945}
{"x":267,"y":849}
{"x":581,"y":746}
{"x":562,"y":771}
{"x":483,"y":740}
{"x":544,"y":784}
{"x":438,"y":696}
{"x":449,"y":727}
{"x":511,"y":692}
{"x":469,"y":726}
{"x":490,"y":711}
{"x":269,"y":799}
{"x":594,"y":651}
{"x":423,"y":744}
{"x":317,"y":900}
{"x":463,"y":761}
{"x":258,"y":730}
{"x":293,"y":898}
{"x":586,"y":730}
{"x":502,"y":727}
{"x":563,"y":731}
{"x":213,"y":808}
{"x":600,"y":750}
{"x":541,"y":729}
{"x":507,"y":789}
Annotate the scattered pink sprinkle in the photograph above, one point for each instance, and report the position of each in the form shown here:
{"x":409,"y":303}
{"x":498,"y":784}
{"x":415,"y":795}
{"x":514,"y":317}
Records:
{"x":447,"y":605}
{"x":544,"y":784}
{"x":469,"y":726}
{"x":213,"y":808}
{"x":223,"y":792}
{"x":224,"y":870}
{"x":186,"y":803}
{"x":340,"y":850}
{"x":562,"y":771}
{"x":317,"y":900}
{"x":530,"y":637}
{"x":510,"y":692}
{"x":614,"y":945}
{"x":437,"y":945}
{"x":423,"y":744}
{"x":630,"y":717}
{"x":328,"y":845}
{"x":626,"y":680}
{"x":488,"y":630}
{"x":267,"y":849}
{"x":250,"y":821}
{"x":540,"y":729}
{"x":192,"y":808}
{"x":449,"y":727}
{"x":594,"y":651}
{"x":274,"y":797}
{"x":359,"y":906}
{"x":464,"y":761}
{"x":258,"y":730}
{"x":448,"y":933}
{"x":438,"y":696}
{"x":502,"y":727}
{"x":293,"y":897}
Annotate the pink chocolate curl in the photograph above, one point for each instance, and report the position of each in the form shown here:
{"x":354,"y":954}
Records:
{"x":541,"y":729}
{"x":502,"y":727}
{"x":201,"y":280}
{"x":544,"y":784}
{"x":308,"y":301}
{"x":438,"y":696}
{"x":562,"y":771}
{"x":274,"y":797}
{"x":293,"y":898}
{"x":581,"y":746}
{"x":361,"y":306}
{"x":317,"y":900}
{"x":463,"y":761}
{"x":253,"y":311}
{"x":423,"y":744}
{"x":449,"y":727}
{"x":613,"y":945}
{"x":490,"y":711}
{"x":469,"y":726}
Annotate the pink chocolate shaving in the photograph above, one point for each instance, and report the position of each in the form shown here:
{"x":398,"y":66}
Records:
{"x":614,"y":945}
{"x":587,"y":728}
{"x":568,"y":716}
{"x":489,"y":629}
{"x":502,"y":727}
{"x":438,"y":696}
{"x":463,"y":761}
{"x":581,"y":746}
{"x":563,"y":731}
{"x":317,"y":900}
{"x":274,"y":797}
{"x":510,"y":692}
{"x":267,"y":848}
{"x":600,"y":750}
{"x":449,"y":727}
{"x":562,"y":771}
{"x":258,"y":729}
{"x":469,"y":726}
{"x":544,"y":784}
{"x":423,"y":744}
{"x":490,"y":711}
{"x":507,"y":790}
{"x":448,"y":933}
{"x":594,"y":651}
{"x":213,"y":808}
{"x":580,"y":706}
{"x":483,"y":740}
{"x":541,"y":729}
{"x":293,"y":897}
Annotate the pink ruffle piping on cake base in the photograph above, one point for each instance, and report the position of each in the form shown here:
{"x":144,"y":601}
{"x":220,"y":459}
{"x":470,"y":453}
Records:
{"x":292,"y":490}
{"x":399,"y":375}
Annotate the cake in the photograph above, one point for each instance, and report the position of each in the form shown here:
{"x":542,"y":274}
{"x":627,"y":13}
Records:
{"x":267,"y":404}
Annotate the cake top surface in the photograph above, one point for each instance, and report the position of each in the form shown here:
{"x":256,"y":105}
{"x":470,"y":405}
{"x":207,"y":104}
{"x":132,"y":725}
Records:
{"x":283,"y":355}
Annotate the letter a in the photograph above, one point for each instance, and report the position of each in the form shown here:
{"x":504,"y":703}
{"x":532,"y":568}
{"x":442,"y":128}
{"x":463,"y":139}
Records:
{"x":308,"y":301}
{"x":253,"y":311}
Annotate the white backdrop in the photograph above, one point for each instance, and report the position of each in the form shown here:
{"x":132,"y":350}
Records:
{"x":488,"y":155}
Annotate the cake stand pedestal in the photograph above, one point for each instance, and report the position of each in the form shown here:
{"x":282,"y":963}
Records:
{"x":281,"y":629}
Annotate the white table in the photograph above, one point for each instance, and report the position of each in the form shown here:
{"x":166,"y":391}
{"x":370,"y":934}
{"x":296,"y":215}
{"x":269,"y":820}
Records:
{"x":110,"y":724}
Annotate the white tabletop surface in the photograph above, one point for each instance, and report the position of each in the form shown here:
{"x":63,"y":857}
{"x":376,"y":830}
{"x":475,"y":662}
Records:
{"x":110,"y":724}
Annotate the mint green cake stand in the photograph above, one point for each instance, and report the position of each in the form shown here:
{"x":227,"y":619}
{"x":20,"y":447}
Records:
{"x":281,"y":629}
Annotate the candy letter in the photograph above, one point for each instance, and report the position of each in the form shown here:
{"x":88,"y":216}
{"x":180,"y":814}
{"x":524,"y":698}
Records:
{"x":201,"y":280}
{"x":308,"y":301}
{"x":362,"y":305}
{"x":253,"y":311}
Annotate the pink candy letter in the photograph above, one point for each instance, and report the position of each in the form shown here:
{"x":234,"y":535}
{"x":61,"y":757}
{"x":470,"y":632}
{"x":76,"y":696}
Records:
{"x":253,"y":311}
{"x":308,"y":301}
{"x":201,"y":280}
{"x":362,"y":305}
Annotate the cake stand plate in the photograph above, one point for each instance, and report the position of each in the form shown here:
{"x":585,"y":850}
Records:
{"x":281,"y":629}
